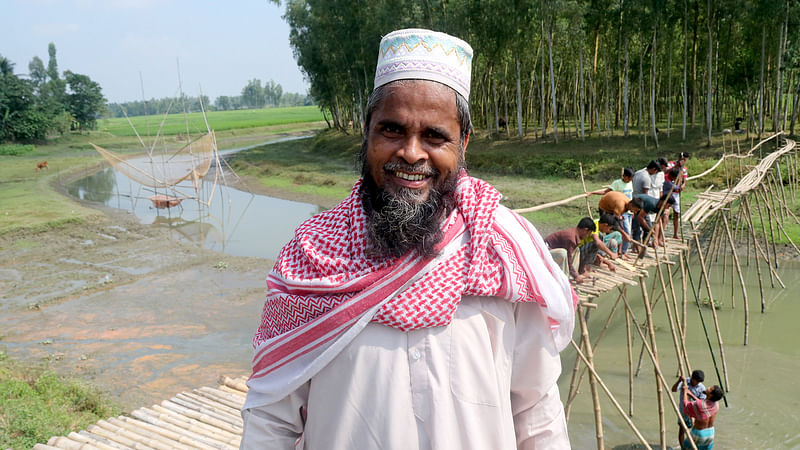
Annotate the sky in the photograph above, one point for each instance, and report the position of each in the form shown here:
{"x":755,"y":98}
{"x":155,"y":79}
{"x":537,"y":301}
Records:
{"x":219,"y":46}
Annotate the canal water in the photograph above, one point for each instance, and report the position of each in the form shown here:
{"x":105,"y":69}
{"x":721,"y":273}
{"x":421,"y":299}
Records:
{"x":763,"y":397}
{"x":235,"y":222}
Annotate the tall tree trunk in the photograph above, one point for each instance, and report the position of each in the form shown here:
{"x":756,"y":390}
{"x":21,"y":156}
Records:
{"x":685,"y":64}
{"x":552,"y":83}
{"x":594,"y":77}
{"x":582,"y":97}
{"x":794,"y":107}
{"x":653,"y":89}
{"x":625,"y":94}
{"x":641,"y":100}
{"x":669,"y":85}
{"x":541,"y":91}
{"x":776,"y":110}
{"x":496,"y":114}
{"x":708,"y":94}
{"x":785,"y":99}
{"x":693,"y":101}
{"x":519,"y":102}
{"x":761,"y":83}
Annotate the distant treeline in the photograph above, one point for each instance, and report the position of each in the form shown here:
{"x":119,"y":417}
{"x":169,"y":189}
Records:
{"x":45,"y":101}
{"x":555,"y":67}
{"x":254,"y":95}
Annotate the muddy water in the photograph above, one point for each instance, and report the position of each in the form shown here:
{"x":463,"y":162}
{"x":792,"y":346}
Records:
{"x":764,"y":392}
{"x":236,"y":223}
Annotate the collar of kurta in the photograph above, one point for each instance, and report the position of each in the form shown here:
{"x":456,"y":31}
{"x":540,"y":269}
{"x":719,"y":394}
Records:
{"x":325,"y":280}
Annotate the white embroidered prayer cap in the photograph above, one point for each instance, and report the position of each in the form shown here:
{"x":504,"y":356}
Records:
{"x":419,"y":54}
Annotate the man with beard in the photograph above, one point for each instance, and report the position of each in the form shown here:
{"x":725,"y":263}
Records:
{"x":418,"y":313}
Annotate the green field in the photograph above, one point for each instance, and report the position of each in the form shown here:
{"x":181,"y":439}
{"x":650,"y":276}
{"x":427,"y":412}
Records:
{"x":217,"y":120}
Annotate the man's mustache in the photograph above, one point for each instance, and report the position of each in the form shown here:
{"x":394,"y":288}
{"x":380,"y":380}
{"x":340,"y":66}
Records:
{"x":421,"y":167}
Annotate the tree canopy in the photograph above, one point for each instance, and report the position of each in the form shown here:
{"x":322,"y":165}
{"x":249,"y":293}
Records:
{"x":43,"y":102}
{"x":584,"y":66}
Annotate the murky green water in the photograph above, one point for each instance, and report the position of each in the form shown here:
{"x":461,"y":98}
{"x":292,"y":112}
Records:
{"x":764,"y":393}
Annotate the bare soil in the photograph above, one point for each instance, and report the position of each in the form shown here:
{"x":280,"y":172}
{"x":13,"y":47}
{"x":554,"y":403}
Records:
{"x":129,"y":307}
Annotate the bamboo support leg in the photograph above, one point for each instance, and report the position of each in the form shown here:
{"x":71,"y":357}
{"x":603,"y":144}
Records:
{"x":595,"y":345}
{"x":741,"y":280}
{"x":749,"y":217}
{"x":611,"y":397}
{"x":769,"y":205}
{"x":659,"y":375}
{"x":598,"y":415}
{"x":714,"y":314}
{"x":673,"y":332}
{"x":654,"y":354}
{"x":766,"y":242}
{"x":630,"y":357}
{"x":583,"y":182}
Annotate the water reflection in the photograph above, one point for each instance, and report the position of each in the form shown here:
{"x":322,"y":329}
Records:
{"x":98,"y":187}
{"x":236,"y":223}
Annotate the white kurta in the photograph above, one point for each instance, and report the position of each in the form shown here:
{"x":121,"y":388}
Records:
{"x":486,"y":381}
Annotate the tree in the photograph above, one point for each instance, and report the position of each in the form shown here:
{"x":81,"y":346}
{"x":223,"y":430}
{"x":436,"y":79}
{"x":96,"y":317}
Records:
{"x":223,"y":103}
{"x":37,"y":72}
{"x":20,"y":119}
{"x":253,"y":94}
{"x":84,"y":100}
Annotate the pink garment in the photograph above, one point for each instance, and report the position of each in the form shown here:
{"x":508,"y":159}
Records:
{"x":701,"y":409}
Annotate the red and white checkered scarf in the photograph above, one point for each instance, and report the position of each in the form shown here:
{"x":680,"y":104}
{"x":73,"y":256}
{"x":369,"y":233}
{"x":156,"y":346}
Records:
{"x":324,"y":288}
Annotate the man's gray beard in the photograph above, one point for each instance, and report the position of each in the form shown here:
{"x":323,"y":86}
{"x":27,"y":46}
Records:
{"x":400,"y":222}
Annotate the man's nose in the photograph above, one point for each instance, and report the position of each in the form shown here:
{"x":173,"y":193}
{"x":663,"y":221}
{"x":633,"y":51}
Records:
{"x":412,"y":150}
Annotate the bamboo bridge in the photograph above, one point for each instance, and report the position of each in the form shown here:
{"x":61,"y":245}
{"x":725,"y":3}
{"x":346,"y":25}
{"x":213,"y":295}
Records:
{"x":747,"y":215}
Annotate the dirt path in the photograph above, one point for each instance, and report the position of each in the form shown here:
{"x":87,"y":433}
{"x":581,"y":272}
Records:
{"x":128,"y":307}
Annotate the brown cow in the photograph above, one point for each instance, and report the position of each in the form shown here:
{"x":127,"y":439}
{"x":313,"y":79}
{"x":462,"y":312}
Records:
{"x":41,"y":165}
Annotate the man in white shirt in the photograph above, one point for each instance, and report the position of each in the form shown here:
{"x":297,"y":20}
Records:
{"x":419,"y":313}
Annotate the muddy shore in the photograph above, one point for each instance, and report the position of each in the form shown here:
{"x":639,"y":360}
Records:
{"x":131,"y":308}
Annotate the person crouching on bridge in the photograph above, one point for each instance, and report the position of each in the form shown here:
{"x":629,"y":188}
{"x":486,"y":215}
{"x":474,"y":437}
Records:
{"x":651,"y":205}
{"x":620,"y":206}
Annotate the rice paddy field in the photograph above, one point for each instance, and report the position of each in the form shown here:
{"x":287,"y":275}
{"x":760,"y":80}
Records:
{"x":221,"y":120}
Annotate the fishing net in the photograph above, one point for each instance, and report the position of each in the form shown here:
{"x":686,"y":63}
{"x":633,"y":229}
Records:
{"x":166,"y":170}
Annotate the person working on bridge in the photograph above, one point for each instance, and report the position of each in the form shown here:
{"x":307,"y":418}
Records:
{"x":642,"y":181}
{"x":704,"y":412}
{"x":619,"y":205}
{"x":419,"y":275}
{"x":678,"y":175}
{"x":624,"y":185}
{"x":651,"y":205}
{"x":696,"y":387}
{"x":588,"y":238}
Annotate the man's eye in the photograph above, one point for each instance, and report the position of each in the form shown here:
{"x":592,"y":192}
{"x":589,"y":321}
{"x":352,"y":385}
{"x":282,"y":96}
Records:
{"x":392,"y":130}
{"x":434,"y":137}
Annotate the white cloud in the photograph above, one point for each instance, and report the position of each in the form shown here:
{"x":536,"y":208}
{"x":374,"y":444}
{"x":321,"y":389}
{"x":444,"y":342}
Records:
{"x":55,"y":29}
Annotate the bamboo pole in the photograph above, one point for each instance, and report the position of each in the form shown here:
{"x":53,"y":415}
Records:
{"x":779,"y":224}
{"x":629,"y":343}
{"x":675,"y":340}
{"x":741,"y":281}
{"x":713,"y":313}
{"x":769,"y":205}
{"x":611,"y":397}
{"x":766,"y":242}
{"x":654,"y":354}
{"x":660,"y":376}
{"x":749,"y":217}
{"x":574,"y":393}
{"x":589,"y":361}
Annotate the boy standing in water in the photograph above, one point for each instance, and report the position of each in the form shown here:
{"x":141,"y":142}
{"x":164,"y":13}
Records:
{"x":696,"y":387}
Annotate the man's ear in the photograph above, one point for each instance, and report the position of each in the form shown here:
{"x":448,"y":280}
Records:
{"x":466,"y":142}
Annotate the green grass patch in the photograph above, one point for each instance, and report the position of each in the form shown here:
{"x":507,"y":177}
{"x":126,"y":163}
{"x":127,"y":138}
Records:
{"x":15,"y":149}
{"x":36,"y":404}
{"x":217,"y":120}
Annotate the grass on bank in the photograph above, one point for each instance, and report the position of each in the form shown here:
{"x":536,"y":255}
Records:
{"x":28,"y":198}
{"x":36,"y":404}
{"x":176,"y":122}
